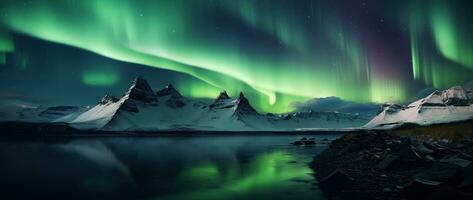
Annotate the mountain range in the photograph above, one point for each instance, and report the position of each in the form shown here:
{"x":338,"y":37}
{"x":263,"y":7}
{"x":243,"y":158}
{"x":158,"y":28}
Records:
{"x":141,"y":108}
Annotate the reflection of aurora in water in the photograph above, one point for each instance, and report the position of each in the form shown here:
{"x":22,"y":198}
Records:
{"x":262,"y":176}
{"x":170,"y":167}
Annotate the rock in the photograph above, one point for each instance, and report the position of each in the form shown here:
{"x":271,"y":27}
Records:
{"x":107,"y":99}
{"x":456,"y":96}
{"x":467,"y":142}
{"x":412,"y":168}
{"x":383,"y":154}
{"x":308,"y":142}
{"x":408,"y":154}
{"x":421,"y":149}
{"x":456,"y":160}
{"x":467,"y":182}
{"x":169,"y":90}
{"x":430,"y":158}
{"x":222,"y":96}
{"x":405,"y":159}
{"x":391,"y":108}
{"x":466,"y":156}
{"x":437,"y":152}
{"x":418,"y":189}
{"x":388,"y":162}
{"x":375,"y":157}
{"x":141,"y":91}
{"x":336,"y":181}
{"x":304,"y":141}
{"x":443,"y":172}
{"x":243,"y":107}
{"x":440,"y":149}
{"x":377,"y":149}
{"x":450,"y":192}
{"x":129,"y":106}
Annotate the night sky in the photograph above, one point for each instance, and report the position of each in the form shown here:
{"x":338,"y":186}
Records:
{"x":276,"y":51}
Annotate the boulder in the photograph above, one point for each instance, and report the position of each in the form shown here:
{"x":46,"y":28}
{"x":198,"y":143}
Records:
{"x":421,"y":149}
{"x":336,"y":181}
{"x":444,"y":172}
{"x":308,"y":142}
{"x":467,"y":182}
{"x":389,"y":162}
{"x":420,"y":189}
{"x":456,"y":96}
{"x":456,"y":160}
{"x":408,"y":154}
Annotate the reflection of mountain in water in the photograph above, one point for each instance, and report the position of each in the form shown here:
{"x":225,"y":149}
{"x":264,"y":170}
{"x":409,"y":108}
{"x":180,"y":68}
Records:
{"x":207,"y":167}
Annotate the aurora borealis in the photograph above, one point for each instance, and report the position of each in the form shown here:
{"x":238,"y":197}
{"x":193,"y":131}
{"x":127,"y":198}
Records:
{"x":276,"y":51}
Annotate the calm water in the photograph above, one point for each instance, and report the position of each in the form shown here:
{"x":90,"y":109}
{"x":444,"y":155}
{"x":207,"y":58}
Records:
{"x":165,"y":167}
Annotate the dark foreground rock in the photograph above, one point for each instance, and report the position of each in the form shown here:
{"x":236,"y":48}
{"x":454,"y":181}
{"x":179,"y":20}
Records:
{"x":304,"y":142}
{"x":372,"y":165}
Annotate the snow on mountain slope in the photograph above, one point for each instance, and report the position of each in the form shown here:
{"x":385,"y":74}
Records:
{"x":439,"y":107}
{"x":99,"y":115}
{"x":139,"y":94}
{"x":44,"y":114}
{"x":175,"y":112}
{"x":311,"y":119}
{"x":142,"y":109}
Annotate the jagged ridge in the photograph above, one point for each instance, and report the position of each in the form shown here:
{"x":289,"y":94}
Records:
{"x":444,"y":106}
{"x":143,"y":109}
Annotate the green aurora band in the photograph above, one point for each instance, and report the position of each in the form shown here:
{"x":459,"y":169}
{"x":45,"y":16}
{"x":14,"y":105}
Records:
{"x":441,"y":43}
{"x":99,"y":78}
{"x":319,"y":56}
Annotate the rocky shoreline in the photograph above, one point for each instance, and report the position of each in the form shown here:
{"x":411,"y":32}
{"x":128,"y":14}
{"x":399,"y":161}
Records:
{"x":386,"y":165}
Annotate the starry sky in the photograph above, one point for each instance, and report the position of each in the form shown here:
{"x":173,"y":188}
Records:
{"x":277,"y":52}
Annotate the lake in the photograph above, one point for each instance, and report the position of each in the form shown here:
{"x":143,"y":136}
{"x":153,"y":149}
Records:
{"x":237,"y":166}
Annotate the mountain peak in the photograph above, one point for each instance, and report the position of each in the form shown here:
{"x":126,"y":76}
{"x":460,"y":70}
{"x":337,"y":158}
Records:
{"x":455,"y":96}
{"x":243,"y":106}
{"x":222,"y":101}
{"x":141,"y":83}
{"x":168,"y":90}
{"x":141,"y":91}
{"x":444,"y":106}
{"x":242,"y":98}
{"x":222,"y":95}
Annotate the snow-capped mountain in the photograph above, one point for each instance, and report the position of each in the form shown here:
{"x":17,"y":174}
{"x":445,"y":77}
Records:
{"x":451,"y":105}
{"x":142,"y":109}
{"x":311,"y":120}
